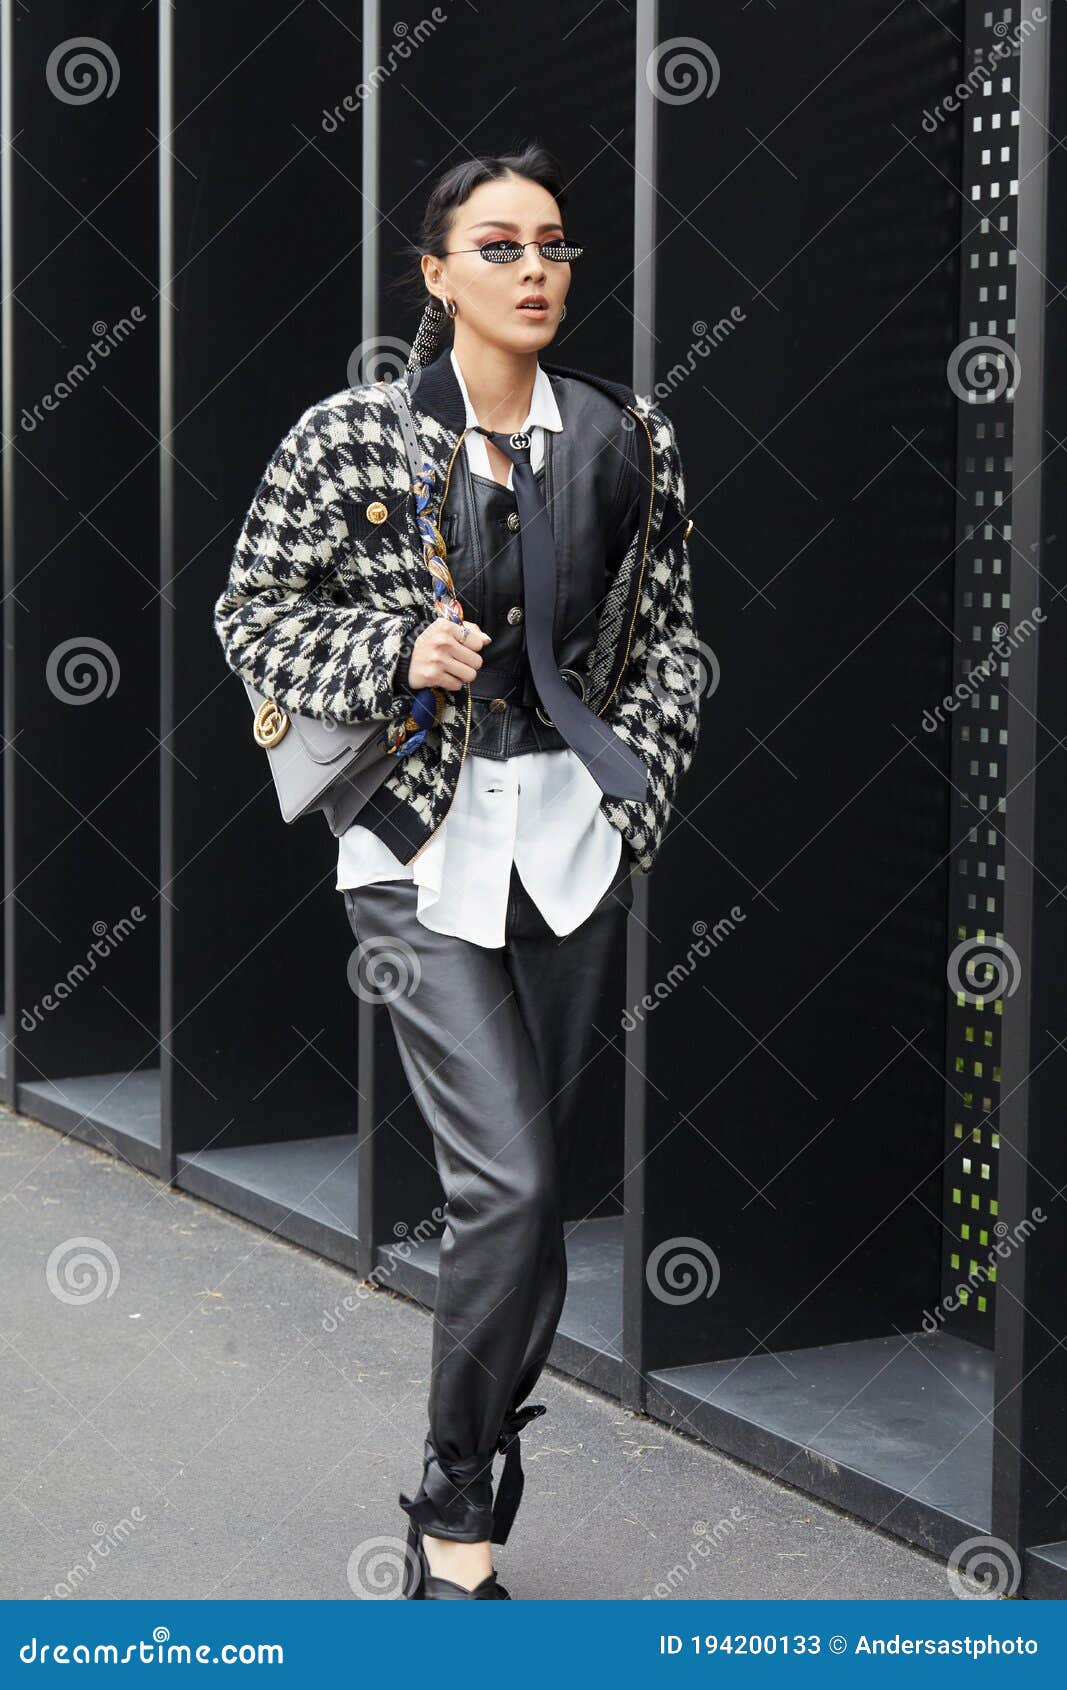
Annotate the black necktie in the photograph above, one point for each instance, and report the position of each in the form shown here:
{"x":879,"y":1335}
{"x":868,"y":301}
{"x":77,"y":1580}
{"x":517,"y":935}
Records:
{"x":617,"y":770}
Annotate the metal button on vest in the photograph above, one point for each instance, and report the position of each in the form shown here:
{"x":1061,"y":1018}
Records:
{"x":498,"y":704}
{"x":513,"y":520}
{"x":376,"y":511}
{"x":515,"y":614}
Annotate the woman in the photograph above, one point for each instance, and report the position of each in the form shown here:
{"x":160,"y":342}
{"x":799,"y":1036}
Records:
{"x":537,"y":701}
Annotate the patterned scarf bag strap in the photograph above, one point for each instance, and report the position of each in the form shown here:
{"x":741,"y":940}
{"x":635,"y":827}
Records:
{"x":426,"y":706}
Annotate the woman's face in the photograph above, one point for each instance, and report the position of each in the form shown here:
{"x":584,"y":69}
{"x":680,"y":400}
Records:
{"x":488,"y":295}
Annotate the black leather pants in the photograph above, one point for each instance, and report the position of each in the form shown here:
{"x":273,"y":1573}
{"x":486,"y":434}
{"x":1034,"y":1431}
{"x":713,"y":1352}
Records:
{"x":491,"y":1040}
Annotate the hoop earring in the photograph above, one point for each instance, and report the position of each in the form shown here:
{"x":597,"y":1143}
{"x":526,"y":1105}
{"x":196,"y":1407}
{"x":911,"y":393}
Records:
{"x":451,"y":306}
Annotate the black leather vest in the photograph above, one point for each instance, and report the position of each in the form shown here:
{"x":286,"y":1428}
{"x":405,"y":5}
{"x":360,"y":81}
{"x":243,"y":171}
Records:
{"x":589,"y":481}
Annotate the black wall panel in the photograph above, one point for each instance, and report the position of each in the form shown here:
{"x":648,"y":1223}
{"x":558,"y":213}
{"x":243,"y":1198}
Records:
{"x":796,"y":1078}
{"x":81,"y":611}
{"x":261,"y":312}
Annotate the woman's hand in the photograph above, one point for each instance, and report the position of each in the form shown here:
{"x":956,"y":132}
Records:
{"x":446,"y":654}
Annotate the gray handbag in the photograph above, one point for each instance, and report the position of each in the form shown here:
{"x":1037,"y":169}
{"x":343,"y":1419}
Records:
{"x":335,"y":767}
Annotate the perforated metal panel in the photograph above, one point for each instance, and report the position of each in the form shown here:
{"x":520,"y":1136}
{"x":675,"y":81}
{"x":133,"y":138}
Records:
{"x":984,"y":374}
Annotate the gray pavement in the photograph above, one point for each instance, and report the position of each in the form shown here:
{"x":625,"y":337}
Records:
{"x":178,"y":1421}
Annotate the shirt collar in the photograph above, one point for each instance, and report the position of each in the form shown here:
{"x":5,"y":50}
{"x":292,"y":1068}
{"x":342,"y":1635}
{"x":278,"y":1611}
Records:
{"x":543,"y":412}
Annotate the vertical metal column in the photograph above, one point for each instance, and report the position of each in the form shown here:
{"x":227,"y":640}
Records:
{"x":7,"y":472}
{"x":371,"y":1018}
{"x":168,"y":420}
{"x":633,"y":1383}
{"x":983,"y":371}
{"x":1028,"y":1466}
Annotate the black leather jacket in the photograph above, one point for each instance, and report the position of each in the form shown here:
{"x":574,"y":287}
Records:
{"x":590,"y":484}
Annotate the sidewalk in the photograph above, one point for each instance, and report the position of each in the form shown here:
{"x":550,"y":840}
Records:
{"x":180,"y":1421}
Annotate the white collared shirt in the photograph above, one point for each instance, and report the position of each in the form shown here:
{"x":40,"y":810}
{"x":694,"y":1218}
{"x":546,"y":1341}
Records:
{"x":540,"y":809}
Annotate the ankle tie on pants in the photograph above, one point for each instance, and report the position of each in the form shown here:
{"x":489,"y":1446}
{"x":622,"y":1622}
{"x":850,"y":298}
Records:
{"x":512,"y":1478}
{"x":453,"y":1499}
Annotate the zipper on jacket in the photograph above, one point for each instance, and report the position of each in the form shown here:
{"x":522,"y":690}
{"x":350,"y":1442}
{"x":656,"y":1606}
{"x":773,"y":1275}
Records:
{"x":644,"y":551}
{"x":467,"y":685}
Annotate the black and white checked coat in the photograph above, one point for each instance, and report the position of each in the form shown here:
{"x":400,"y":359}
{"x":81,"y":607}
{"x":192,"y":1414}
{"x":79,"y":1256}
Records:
{"x":320,"y":600}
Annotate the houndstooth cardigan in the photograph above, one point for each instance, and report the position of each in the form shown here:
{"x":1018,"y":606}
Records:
{"x":322,"y":602}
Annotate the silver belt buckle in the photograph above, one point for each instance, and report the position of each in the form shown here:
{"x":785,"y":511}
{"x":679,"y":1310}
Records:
{"x":581,"y":694}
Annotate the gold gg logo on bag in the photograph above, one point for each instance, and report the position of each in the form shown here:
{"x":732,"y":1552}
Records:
{"x":269,"y":724}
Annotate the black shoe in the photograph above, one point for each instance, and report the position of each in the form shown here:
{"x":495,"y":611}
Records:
{"x":420,"y":1583}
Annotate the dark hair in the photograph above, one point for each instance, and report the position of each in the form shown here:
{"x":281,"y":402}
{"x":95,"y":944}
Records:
{"x":453,"y":189}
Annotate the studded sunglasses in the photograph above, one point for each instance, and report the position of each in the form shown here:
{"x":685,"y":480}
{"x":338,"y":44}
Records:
{"x":506,"y":252}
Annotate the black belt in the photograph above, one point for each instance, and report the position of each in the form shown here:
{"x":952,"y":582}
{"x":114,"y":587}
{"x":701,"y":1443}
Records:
{"x":516,"y":684}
